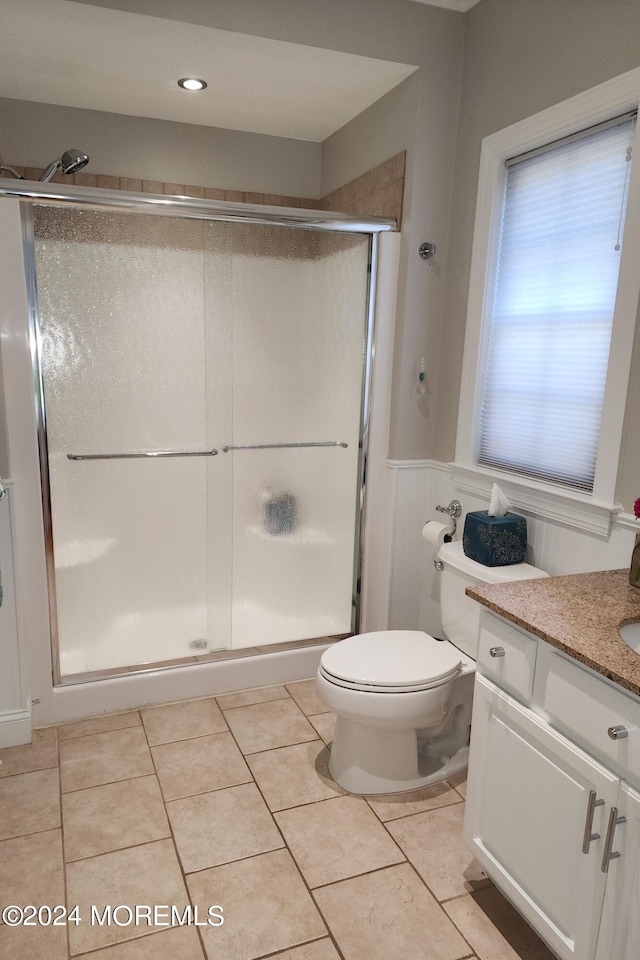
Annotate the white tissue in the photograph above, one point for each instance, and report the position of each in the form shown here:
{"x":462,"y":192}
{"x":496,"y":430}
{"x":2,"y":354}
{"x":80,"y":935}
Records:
{"x":498,"y":505}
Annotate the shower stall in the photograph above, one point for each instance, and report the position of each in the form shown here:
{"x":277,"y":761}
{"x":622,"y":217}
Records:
{"x":202,"y":376}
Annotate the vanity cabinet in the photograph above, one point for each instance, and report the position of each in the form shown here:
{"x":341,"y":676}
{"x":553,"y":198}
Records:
{"x":549,"y":798}
{"x":620,"y":928}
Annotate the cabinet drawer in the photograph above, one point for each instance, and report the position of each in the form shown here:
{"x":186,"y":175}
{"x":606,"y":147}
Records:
{"x":587,"y":707}
{"x":507,"y":655}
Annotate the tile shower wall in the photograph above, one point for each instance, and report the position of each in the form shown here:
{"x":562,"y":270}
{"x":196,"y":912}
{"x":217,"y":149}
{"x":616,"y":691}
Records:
{"x":377,"y":193}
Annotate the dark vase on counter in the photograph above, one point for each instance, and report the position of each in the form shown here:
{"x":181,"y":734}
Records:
{"x":634,"y":569}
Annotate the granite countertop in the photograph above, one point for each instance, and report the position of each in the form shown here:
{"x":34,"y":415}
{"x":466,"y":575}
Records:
{"x":579,"y":614}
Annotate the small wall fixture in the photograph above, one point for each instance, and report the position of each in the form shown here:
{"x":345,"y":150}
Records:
{"x":427,"y":250}
{"x":192,"y":83}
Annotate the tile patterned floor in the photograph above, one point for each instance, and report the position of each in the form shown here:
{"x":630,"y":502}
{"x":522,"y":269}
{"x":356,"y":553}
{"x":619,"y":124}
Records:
{"x":228,"y":801}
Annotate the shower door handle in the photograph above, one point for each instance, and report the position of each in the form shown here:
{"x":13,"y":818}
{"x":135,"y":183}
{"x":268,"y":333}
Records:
{"x":283,"y":446}
{"x":138,"y":456}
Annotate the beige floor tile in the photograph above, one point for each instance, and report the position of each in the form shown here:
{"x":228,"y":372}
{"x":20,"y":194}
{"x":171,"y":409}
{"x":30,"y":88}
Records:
{"x":266,"y":907}
{"x":40,"y":754}
{"x":394,"y":805}
{"x":304,"y":694}
{"x":434,"y":845}
{"x":182,"y":942}
{"x":104,"y":758}
{"x":29,"y":803}
{"x":335,"y":839}
{"x":215,"y":828}
{"x":113,"y":816}
{"x":111,"y":721}
{"x":181,"y":721}
{"x":246,"y":697}
{"x":318,"y":950}
{"x":263,"y":726}
{"x":389,"y":915}
{"x":325,"y":724}
{"x":31,"y":872}
{"x":149,"y":874}
{"x":494,"y":929}
{"x":459,"y":782}
{"x":199,"y":766}
{"x":290,"y":776}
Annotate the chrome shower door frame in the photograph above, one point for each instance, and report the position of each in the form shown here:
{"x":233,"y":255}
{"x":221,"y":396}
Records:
{"x":183,"y":207}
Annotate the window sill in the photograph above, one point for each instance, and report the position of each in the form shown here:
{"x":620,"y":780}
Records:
{"x":573,"y":509}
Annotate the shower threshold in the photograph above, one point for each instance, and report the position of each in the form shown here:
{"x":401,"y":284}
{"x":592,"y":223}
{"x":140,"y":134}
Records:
{"x":110,"y":673}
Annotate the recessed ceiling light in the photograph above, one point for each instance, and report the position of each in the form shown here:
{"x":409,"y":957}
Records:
{"x":192,"y":83}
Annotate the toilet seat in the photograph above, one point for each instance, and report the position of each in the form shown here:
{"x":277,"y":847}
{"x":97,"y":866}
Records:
{"x":391,"y":661}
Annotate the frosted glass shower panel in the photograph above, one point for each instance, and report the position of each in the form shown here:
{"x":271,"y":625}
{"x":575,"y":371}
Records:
{"x":299,"y":337}
{"x":121,"y":299}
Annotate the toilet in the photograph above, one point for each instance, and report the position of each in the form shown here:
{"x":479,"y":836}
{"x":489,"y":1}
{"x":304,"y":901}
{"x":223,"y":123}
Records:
{"x":403,"y":698}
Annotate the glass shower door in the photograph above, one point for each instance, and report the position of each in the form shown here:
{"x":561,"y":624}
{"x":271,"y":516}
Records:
{"x":203,"y":388}
{"x":299,"y":347}
{"x":124,"y":359}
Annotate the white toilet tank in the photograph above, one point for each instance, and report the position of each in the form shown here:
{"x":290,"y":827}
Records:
{"x":461,"y":614}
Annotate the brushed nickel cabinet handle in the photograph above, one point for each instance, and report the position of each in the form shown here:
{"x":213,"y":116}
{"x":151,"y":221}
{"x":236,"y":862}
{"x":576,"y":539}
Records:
{"x":618,"y":733}
{"x":588,"y":824}
{"x":496,"y":651}
{"x":608,"y":855}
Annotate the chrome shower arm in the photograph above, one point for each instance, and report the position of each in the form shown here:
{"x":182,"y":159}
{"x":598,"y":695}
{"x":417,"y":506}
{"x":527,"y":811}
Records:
{"x":46,"y":175}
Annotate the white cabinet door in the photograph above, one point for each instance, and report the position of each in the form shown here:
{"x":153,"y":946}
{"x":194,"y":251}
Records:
{"x":620,"y":930}
{"x":528,"y":805}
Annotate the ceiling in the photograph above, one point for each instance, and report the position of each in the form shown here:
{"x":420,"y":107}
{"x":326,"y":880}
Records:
{"x":61,"y":52}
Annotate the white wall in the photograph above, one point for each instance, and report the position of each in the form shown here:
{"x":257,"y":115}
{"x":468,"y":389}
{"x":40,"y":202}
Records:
{"x":419,"y":117}
{"x":521,"y":56}
{"x":34,"y":134}
{"x":415,"y":487}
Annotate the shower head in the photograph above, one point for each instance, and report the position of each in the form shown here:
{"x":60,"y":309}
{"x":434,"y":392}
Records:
{"x":70,"y":161}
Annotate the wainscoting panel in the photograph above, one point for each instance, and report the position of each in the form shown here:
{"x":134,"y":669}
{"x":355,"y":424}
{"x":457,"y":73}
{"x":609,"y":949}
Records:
{"x":414,"y":490}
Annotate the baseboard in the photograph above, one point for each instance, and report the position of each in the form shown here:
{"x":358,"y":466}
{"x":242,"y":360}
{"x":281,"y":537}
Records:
{"x":15,"y":728}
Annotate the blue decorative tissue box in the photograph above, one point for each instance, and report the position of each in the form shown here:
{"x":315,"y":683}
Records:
{"x":495,"y":541}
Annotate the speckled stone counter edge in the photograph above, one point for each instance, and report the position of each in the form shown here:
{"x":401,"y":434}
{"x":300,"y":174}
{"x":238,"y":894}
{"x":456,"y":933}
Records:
{"x":579,"y":614}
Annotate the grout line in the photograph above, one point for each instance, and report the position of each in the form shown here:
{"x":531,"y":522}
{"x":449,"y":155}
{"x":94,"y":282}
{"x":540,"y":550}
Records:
{"x":295,"y":946}
{"x":197,"y":736}
{"x":62,"y":849}
{"x":129,"y":846}
{"x":417,"y":813}
{"x":295,"y":863}
{"x":92,"y":786}
{"x":442,"y":910}
{"x":173,"y":841}
{"x":119,"y":943}
{"x":357,"y":876}
{"x":296,"y":743}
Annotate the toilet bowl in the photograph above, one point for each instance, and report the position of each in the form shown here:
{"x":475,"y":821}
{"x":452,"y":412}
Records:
{"x":402,"y":697}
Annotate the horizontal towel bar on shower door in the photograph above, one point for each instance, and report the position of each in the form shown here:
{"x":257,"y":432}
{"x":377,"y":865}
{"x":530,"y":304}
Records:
{"x":283,"y":446}
{"x":137,"y":456}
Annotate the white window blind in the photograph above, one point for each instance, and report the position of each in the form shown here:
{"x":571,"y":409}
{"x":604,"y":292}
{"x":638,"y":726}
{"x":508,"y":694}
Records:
{"x":550,"y":327}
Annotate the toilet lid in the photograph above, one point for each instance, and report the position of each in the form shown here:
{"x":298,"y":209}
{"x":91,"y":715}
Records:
{"x":393,"y":661}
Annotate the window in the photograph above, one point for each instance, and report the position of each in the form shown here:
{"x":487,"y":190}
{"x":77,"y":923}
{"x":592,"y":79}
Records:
{"x":552,"y":308}
{"x":550,"y":326}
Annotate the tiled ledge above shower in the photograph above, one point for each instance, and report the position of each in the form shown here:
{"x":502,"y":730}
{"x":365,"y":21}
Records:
{"x":376,"y":193}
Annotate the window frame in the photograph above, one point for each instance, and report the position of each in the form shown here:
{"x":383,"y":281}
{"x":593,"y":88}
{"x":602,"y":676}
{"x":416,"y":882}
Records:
{"x":594,"y":511}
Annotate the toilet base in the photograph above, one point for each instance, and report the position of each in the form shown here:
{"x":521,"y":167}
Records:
{"x":392,"y":761}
